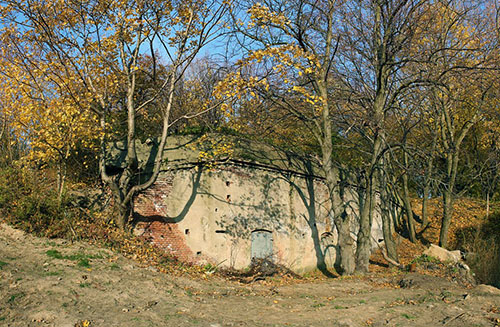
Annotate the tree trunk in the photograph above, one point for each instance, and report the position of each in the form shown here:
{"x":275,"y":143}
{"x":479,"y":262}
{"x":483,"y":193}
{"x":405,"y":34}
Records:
{"x":367,"y":205}
{"x":345,"y":243}
{"x":363,"y":248}
{"x":343,"y":225}
{"x":447,"y":213}
{"x":427,"y":184}
{"x":376,"y":121}
{"x":387,"y":224}
{"x":452,"y":167}
{"x":342,"y":221}
{"x":425,"y":201}
{"x":410,"y":222}
{"x":125,"y":211}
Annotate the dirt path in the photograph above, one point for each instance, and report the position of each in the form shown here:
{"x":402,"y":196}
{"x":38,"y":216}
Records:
{"x":54,"y":283}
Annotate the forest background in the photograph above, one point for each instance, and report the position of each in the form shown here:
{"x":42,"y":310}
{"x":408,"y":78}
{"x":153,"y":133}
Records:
{"x":401,"y":96}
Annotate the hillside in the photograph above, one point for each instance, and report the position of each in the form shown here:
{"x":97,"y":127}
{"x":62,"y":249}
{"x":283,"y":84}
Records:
{"x":57,"y":283}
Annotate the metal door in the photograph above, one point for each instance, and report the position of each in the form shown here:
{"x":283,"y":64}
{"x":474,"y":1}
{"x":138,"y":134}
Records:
{"x":262,"y":244}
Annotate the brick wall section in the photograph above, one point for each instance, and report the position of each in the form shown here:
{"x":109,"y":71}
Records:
{"x":150,"y":212}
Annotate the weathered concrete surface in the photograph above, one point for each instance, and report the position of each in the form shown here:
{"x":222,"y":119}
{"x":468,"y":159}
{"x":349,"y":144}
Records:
{"x":208,"y":215}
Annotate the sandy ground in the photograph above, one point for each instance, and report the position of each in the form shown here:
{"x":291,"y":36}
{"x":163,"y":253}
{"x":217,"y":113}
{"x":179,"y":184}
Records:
{"x":55,"y":283}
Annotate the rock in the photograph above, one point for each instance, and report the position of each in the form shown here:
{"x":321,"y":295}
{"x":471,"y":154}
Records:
{"x":128,"y":267}
{"x":443,"y":254}
{"x":345,"y":323}
{"x":215,"y":325}
{"x":153,"y":269}
{"x":487,"y":289}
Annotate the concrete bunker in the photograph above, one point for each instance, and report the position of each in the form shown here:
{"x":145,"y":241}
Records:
{"x":259,"y":203}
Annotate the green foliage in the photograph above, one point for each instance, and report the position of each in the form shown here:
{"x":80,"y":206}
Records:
{"x":28,"y":202}
{"x":210,"y":268}
{"x":2,"y":264}
{"x":83,"y":260}
{"x":424,"y":258}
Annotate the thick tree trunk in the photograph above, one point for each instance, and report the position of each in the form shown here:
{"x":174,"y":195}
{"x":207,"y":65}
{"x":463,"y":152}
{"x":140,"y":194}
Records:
{"x":367,"y":206}
{"x":390,"y":244}
{"x":387,"y":224}
{"x":343,"y":224}
{"x":345,"y":243}
{"x":342,"y":221}
{"x":363,"y":248}
{"x":376,"y":121}
{"x":125,"y":211}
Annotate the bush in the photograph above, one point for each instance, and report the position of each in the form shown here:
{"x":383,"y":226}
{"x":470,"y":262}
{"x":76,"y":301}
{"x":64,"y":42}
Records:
{"x":31,"y":205}
{"x":28,"y":202}
{"x":42,"y":215}
{"x":10,"y":188}
{"x":482,"y":244}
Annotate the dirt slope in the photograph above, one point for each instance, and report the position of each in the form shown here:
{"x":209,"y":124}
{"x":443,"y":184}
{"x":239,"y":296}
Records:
{"x":55,"y":283}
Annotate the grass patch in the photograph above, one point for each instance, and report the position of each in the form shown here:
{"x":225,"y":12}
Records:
{"x":2,"y":264}
{"x":115,"y":266}
{"x":424,"y":258}
{"x":408,"y":316}
{"x":83,"y":259}
{"x":14,"y":297}
{"x":83,"y":285}
{"x":52,"y":273}
{"x":318,"y":305}
{"x":84,"y":262}
{"x":54,"y":254}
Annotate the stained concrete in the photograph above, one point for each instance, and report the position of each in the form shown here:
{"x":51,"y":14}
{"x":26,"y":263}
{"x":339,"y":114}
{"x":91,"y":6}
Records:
{"x":216,"y":208}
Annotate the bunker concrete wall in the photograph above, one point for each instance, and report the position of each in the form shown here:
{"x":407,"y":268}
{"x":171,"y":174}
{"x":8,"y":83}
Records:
{"x":207,"y":216}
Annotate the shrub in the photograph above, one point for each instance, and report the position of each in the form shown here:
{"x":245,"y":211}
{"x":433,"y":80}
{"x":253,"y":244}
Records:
{"x":11,"y":186}
{"x":482,"y":244}
{"x":31,"y":205}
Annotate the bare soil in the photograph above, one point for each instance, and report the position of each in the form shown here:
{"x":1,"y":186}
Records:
{"x":57,"y":283}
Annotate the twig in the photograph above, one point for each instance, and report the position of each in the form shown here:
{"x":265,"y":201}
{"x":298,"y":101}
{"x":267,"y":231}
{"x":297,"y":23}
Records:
{"x":454,"y":318}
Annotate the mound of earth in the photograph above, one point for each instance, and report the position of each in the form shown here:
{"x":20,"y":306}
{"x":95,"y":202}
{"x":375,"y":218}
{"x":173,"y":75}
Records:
{"x":56,"y":283}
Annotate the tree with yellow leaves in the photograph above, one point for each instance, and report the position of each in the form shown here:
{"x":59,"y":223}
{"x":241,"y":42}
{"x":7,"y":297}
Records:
{"x":90,"y":52}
